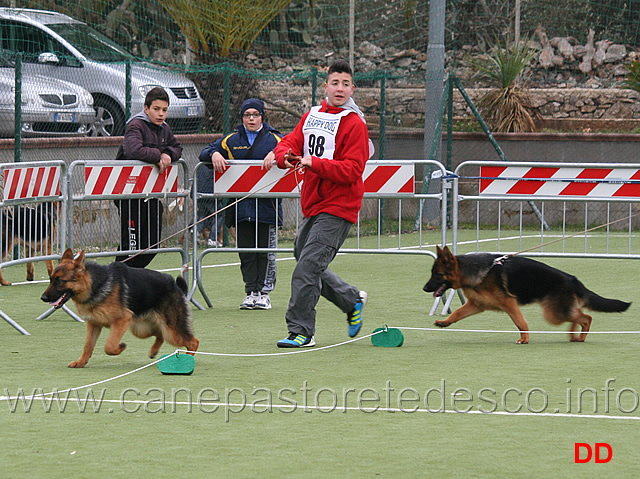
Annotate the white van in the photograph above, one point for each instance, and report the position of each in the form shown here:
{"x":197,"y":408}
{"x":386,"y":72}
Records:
{"x":58,"y":46}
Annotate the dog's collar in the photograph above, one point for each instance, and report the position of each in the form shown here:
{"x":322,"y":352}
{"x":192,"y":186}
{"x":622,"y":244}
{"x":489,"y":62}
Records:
{"x":500,"y":260}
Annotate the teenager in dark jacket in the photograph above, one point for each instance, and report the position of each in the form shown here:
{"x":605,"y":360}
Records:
{"x":147,"y":138}
{"x":253,"y":218}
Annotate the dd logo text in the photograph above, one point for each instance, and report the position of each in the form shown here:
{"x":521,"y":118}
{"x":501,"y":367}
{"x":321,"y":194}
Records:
{"x":596,"y":452}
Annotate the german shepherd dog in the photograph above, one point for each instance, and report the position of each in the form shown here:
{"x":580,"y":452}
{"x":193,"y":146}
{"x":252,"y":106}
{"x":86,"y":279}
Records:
{"x":33,"y":227}
{"x":118,"y":296}
{"x":499,"y":283}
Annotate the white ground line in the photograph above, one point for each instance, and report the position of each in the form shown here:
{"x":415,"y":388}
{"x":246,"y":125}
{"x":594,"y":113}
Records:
{"x":259,"y":406}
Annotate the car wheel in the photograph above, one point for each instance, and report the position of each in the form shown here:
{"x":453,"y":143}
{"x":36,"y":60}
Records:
{"x":109,"y":119}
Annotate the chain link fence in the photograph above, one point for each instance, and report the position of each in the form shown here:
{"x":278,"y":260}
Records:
{"x":75,"y":69}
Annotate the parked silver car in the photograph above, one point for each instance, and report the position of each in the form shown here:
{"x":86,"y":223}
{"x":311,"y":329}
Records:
{"x":50,"y":107}
{"x":58,"y":46}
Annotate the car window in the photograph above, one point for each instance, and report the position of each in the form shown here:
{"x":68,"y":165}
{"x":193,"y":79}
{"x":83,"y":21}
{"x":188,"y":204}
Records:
{"x":31,"y":41}
{"x":5,"y":58}
{"x":24,"y":38}
{"x":91,"y":43}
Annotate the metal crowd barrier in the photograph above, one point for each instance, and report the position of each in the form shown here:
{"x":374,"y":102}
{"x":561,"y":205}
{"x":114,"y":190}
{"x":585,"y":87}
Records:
{"x":33,"y":223}
{"x":584,"y":210}
{"x":391,"y":190}
{"x":588,"y":210}
{"x":93,"y":220}
{"x":81,"y":199}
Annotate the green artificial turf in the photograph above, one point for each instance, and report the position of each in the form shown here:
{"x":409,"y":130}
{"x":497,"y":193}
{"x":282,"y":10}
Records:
{"x":353,"y":410}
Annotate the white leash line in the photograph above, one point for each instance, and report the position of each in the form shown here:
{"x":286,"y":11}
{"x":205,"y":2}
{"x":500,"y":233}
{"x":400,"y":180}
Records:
{"x":4,"y":398}
{"x":508,"y":331}
{"x":310,"y":350}
{"x":343,"y":408}
{"x":297,"y":351}
{"x":180,"y":351}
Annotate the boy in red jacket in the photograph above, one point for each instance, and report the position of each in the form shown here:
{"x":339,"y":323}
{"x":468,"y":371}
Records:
{"x":332,"y":143}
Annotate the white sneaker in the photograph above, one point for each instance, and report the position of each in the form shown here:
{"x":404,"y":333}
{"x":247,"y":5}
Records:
{"x":249,"y":301}
{"x":263,"y":302}
{"x":211,"y":243}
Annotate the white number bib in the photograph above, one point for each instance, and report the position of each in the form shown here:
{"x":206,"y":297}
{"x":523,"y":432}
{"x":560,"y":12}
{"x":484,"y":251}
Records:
{"x":320,"y":130}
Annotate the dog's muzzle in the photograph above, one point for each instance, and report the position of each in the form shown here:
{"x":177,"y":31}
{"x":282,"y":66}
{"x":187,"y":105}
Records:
{"x":56,"y":303}
{"x":437,"y":289}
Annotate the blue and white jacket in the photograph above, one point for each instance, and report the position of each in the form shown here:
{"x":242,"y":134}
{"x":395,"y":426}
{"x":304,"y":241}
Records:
{"x":235,"y":146}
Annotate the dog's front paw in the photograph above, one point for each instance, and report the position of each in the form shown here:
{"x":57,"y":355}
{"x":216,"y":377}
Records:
{"x":442,"y":324}
{"x":114,"y":351}
{"x":77,"y":364}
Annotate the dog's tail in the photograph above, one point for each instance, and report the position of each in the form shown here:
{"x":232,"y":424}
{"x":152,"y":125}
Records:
{"x":596,"y":302}
{"x":182,"y":284}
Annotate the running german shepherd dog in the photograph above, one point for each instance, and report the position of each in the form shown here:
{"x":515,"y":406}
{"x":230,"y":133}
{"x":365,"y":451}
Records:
{"x":118,"y":296}
{"x":499,"y":283}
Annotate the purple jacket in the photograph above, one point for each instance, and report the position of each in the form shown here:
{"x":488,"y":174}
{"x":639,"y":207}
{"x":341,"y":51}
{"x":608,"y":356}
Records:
{"x":146,"y":142}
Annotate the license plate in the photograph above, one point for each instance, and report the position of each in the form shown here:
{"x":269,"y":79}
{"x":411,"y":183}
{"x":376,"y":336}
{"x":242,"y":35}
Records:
{"x":193,"y":111}
{"x":64,"y":117}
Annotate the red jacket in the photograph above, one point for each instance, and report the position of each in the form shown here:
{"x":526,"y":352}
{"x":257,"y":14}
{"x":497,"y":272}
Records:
{"x":332,"y":186}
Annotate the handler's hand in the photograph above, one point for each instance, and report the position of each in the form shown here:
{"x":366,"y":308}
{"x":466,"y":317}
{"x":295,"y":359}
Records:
{"x":291,"y":160}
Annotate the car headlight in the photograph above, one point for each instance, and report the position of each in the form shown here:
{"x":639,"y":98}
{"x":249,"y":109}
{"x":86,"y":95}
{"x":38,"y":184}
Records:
{"x":7,"y":97}
{"x":144,"y":89}
{"x":87,"y":98}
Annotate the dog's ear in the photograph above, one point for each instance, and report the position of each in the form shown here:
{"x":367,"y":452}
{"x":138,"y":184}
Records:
{"x":446,"y":253}
{"x":68,"y":254}
{"x":78,"y":260}
{"x":439,"y":250}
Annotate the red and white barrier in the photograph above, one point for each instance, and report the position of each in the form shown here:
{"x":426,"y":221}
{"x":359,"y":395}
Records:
{"x":245,"y":179}
{"x":119,"y":180}
{"x":543,"y":181}
{"x":31,"y":182}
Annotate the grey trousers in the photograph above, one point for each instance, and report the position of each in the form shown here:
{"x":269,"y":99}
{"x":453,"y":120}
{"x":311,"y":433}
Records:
{"x":317,"y":243}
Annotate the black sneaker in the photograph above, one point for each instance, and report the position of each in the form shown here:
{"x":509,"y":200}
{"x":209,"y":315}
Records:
{"x":296,"y":341}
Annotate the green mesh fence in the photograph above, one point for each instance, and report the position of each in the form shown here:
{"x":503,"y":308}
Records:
{"x":213,"y":54}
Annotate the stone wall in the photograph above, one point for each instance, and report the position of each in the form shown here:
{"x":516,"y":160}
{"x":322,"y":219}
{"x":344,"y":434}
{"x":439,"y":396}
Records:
{"x":575,"y":103}
{"x":405,"y":106}
{"x":551,"y":103}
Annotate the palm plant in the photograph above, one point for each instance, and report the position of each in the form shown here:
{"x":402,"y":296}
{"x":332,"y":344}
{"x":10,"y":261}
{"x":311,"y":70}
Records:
{"x":229,"y":25}
{"x":507,"y":108}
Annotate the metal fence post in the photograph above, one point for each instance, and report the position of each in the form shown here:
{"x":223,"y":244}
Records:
{"x":127,"y":91}
{"x":17,"y":146}
{"x":226,"y":122}
{"x":314,"y":86}
{"x":383,"y":114}
{"x":383,"y":109}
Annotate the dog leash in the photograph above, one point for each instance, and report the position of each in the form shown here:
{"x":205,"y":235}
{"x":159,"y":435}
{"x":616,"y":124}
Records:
{"x":500,"y":260}
{"x":294,"y":170}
